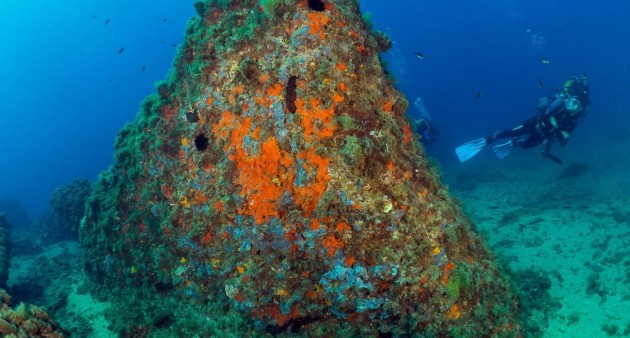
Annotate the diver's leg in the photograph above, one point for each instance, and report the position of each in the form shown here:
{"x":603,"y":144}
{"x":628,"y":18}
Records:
{"x":527,"y":127}
{"x":531,"y":141}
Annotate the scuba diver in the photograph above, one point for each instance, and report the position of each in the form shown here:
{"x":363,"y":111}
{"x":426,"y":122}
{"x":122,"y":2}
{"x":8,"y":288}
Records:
{"x":556,"y":118}
{"x":427,"y":132}
{"x":424,"y":125}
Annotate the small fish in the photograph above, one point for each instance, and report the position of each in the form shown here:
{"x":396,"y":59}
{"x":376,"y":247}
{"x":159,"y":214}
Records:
{"x":544,"y":60}
{"x":173,"y":45}
{"x":419,"y":55}
{"x":93,"y":16}
{"x":164,"y":20}
{"x":106,"y":21}
{"x":540,"y":84}
{"x":120,"y":51}
{"x":144,"y":68}
{"x":478,"y":94}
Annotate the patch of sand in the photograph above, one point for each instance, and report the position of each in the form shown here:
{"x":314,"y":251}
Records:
{"x":576,"y":229}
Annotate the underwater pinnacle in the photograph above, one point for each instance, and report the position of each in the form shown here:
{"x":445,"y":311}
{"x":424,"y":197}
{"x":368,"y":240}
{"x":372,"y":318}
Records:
{"x":273,"y":185}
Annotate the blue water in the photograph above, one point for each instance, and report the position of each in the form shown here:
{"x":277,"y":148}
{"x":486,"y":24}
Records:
{"x":495,"y":46}
{"x":67,"y":89}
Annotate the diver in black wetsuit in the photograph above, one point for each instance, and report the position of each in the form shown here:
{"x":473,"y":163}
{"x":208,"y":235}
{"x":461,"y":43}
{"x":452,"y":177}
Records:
{"x":556,"y":118}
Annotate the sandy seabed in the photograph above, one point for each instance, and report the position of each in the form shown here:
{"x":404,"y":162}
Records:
{"x":569,"y":224}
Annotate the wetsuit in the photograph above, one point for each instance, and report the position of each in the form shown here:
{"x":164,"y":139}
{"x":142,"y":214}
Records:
{"x":553,"y":121}
{"x":526,"y":128}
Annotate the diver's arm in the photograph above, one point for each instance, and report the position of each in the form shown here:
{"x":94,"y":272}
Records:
{"x":563,"y":137}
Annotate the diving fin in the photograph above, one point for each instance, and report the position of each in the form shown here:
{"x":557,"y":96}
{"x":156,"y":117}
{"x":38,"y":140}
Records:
{"x":503,"y":150}
{"x":467,"y":150}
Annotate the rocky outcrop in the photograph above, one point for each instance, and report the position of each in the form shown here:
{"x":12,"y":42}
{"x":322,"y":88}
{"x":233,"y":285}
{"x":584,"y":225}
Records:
{"x":274,"y":186}
{"x":5,"y":250}
{"x":68,"y":207}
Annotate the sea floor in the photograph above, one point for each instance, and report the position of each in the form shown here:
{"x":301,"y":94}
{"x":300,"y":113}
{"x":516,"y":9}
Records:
{"x":54,"y":278}
{"x":563,"y":232}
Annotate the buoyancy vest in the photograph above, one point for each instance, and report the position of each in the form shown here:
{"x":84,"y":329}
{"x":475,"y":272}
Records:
{"x":555,"y":119}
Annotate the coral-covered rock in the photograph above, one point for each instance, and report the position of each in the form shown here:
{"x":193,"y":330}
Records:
{"x":273,"y":185}
{"x":5,"y":250}
{"x":68,"y":207}
{"x":26,"y":320}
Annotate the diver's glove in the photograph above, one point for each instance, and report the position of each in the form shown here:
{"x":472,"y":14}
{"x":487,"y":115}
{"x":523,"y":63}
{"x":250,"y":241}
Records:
{"x":563,"y":137}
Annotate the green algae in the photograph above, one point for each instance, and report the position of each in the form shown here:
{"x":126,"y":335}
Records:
{"x":352,"y":150}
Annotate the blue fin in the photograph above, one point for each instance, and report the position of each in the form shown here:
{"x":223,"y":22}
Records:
{"x":467,"y":150}
{"x":503,"y":150}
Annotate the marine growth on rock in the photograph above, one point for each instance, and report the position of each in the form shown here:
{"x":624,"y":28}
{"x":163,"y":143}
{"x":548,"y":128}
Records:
{"x":273,"y":185}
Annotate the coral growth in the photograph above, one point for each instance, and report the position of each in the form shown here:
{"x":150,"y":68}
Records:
{"x":310,"y":209}
{"x":26,"y":320}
